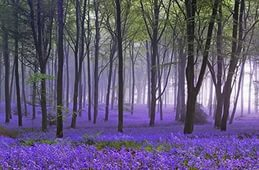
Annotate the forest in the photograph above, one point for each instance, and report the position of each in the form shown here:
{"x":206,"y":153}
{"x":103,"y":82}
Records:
{"x":129,"y":84}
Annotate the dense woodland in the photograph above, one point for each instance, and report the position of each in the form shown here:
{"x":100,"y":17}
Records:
{"x":65,"y":58}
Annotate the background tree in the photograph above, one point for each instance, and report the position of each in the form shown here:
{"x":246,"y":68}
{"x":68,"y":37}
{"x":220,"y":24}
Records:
{"x":60,"y":69}
{"x":120,"y":66}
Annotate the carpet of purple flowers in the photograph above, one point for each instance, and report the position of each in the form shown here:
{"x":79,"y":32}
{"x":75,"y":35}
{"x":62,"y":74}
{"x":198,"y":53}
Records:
{"x":99,"y":146}
{"x":175,"y":151}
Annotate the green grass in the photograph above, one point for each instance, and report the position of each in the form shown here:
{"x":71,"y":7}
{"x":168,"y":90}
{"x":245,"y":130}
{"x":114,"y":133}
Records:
{"x":8,"y":133}
{"x":31,"y":142}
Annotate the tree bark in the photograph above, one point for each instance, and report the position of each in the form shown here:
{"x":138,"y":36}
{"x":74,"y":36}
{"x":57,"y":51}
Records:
{"x":23,"y":90}
{"x":237,"y":36}
{"x":133,"y":78}
{"x":192,"y":89}
{"x":16,"y":56}
{"x":180,"y":107}
{"x":96,"y":61}
{"x":107,"y":103}
{"x":5,"y":38}
{"x":60,"y":47}
{"x":88,"y":64}
{"x":120,"y":66}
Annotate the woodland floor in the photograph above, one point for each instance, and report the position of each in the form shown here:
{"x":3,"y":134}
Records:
{"x":100,"y":146}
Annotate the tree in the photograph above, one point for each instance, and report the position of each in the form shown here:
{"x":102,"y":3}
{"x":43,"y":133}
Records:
{"x":59,"y":133}
{"x":192,"y":89}
{"x":120,"y":66}
{"x":155,"y":36}
{"x":16,"y":57}
{"x":41,"y":21}
{"x":5,"y":39}
{"x":96,"y":58}
{"x":79,"y":55}
{"x":88,"y":63}
{"x":237,"y":43}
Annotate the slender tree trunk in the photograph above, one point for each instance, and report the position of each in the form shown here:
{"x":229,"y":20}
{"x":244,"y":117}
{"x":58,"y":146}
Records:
{"x":23,"y":89}
{"x":239,"y":86}
{"x":175,"y":82}
{"x":43,"y":101}
{"x":96,"y":65}
{"x":153,"y":74}
{"x":237,"y":36}
{"x":76,"y":82}
{"x":255,"y":68}
{"x":12,"y":85}
{"x":250,"y":85}
{"x":191,"y":92}
{"x":67,"y":74}
{"x":107,"y":103}
{"x":218,"y":84}
{"x":180,"y":107}
{"x":16,"y":56}
{"x":88,"y":64}
{"x":148,"y":74}
{"x":210,"y":102}
{"x":242,"y":94}
{"x":34,"y":91}
{"x":81,"y":55}
{"x":120,"y":66}
{"x":7,"y":74}
{"x":192,"y":89}
{"x":133,"y":78}
{"x":113,"y":86}
{"x":159,"y":75}
{"x":80,"y":90}
{"x":59,"y":132}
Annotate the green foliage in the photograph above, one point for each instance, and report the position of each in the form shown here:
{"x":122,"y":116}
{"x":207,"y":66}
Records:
{"x":38,"y":77}
{"x":31,"y":142}
{"x":118,"y":145}
{"x":91,"y":140}
{"x":163,"y":147}
{"x":148,"y":148}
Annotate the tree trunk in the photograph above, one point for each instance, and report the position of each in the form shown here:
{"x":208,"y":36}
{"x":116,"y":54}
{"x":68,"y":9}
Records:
{"x":88,"y":64}
{"x":148,"y":74}
{"x":43,"y":101}
{"x":153,"y":74}
{"x":107,"y":103}
{"x":76,"y":82}
{"x":192,"y":90}
{"x":80,"y":91}
{"x":16,"y":56}
{"x":218,"y":84}
{"x":34,"y":90}
{"x":237,"y":36}
{"x":7,"y":74}
{"x":239,"y":86}
{"x":23,"y":89}
{"x":113,"y":86}
{"x":120,"y":66}
{"x":12,"y":86}
{"x":256,"y":93}
{"x":59,"y":132}
{"x":67,"y":74}
{"x":133,"y":78}
{"x":250,"y":85}
{"x":96,"y":61}
{"x":180,"y":107}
